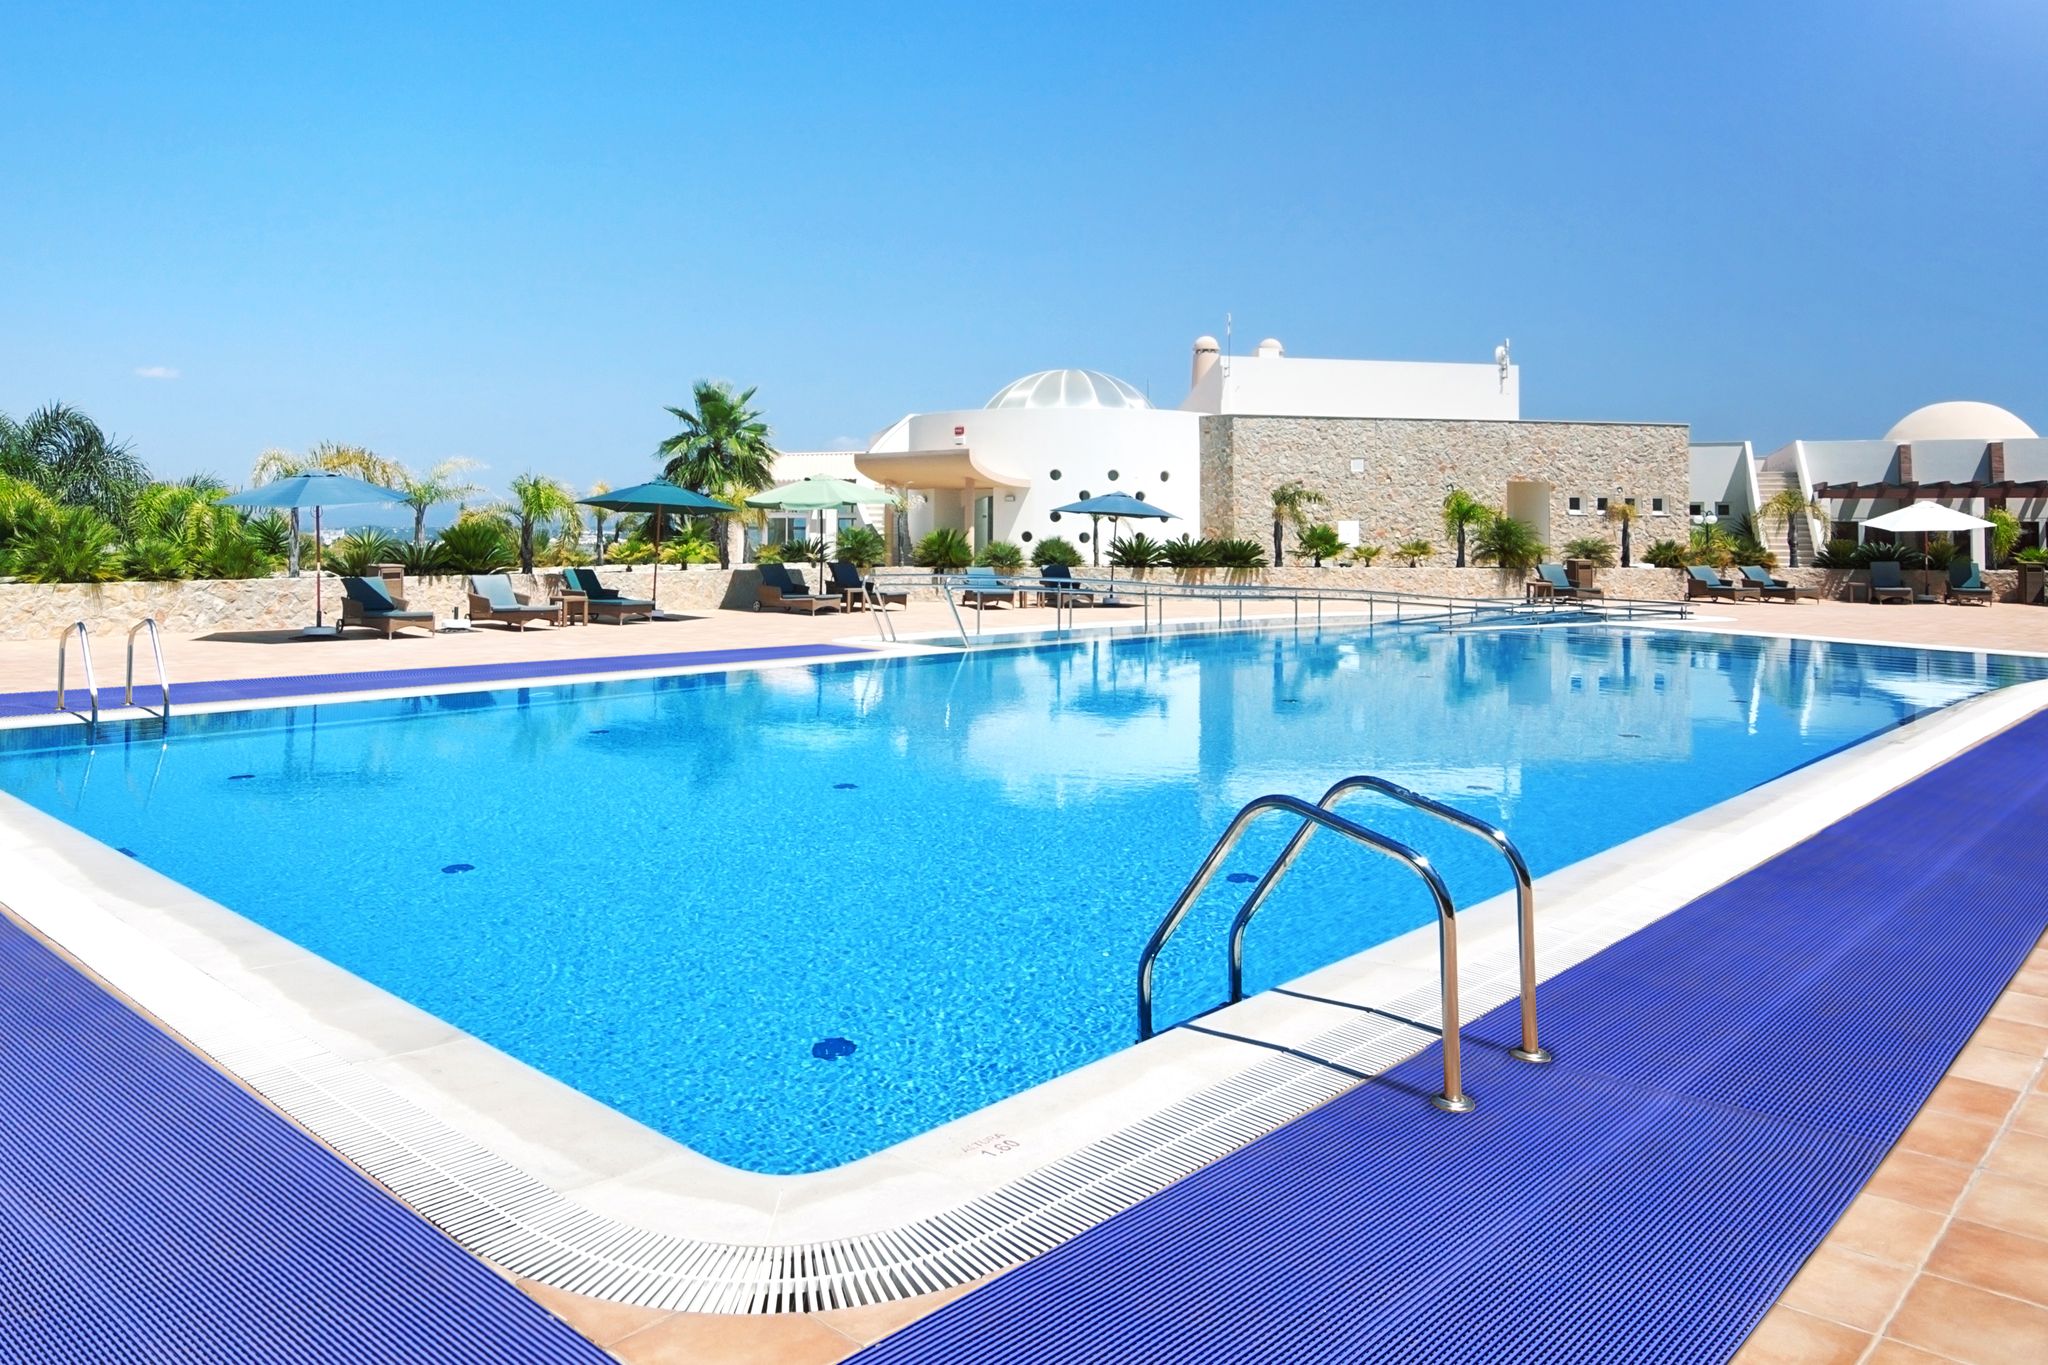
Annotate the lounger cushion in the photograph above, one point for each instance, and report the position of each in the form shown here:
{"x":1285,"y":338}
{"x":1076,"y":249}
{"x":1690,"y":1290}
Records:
{"x":369,"y":593}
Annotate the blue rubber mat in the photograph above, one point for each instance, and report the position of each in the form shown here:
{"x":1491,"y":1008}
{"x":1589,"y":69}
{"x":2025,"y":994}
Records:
{"x":518,"y":670}
{"x":1725,"y":1082}
{"x":152,"y":1211}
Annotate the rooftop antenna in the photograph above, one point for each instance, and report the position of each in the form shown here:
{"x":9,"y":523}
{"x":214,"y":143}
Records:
{"x":1500,"y":358}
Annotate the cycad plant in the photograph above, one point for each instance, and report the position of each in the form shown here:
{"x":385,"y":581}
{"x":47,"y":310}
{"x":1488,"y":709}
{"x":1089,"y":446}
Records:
{"x":944,"y":550}
{"x":861,"y":546}
{"x":1136,"y":551}
{"x":1292,"y":503}
{"x":1464,"y":514}
{"x":357,"y":554}
{"x":70,"y":545}
{"x":478,"y":544}
{"x":1509,"y":543}
{"x":1057,"y":550}
{"x":1239,"y":554}
{"x":1001,"y":555}
{"x":1186,"y":552}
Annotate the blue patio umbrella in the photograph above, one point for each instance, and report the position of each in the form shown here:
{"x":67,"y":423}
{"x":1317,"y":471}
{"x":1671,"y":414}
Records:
{"x":657,"y":498}
{"x":1113,"y":506}
{"x":314,"y":491}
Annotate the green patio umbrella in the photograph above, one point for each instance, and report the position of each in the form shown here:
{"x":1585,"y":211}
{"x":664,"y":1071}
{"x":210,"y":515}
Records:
{"x":657,"y":499}
{"x":314,"y":491}
{"x":815,"y":495}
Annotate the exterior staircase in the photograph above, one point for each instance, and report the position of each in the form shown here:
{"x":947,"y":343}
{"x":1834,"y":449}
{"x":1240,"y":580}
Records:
{"x":1769,"y":483}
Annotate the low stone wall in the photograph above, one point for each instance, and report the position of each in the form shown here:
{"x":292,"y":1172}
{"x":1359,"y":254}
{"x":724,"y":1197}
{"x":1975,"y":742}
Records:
{"x":32,"y":611}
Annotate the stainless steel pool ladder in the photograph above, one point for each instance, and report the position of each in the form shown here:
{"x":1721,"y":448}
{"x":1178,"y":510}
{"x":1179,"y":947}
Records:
{"x":92,"y":687}
{"x":163,"y":679}
{"x":1453,"y":1097}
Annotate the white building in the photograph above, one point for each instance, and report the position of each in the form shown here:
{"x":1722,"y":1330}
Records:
{"x":997,"y":472}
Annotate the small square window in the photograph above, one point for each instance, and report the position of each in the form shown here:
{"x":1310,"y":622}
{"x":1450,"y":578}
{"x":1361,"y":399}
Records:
{"x":1358,"y":466}
{"x":1575,"y":506}
{"x":1720,"y":509}
{"x":1656,"y":507}
{"x":1630,"y":501}
{"x":1695,"y":509}
{"x":1600,"y":504}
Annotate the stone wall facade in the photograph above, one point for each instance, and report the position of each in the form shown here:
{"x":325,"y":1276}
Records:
{"x":1390,"y":474}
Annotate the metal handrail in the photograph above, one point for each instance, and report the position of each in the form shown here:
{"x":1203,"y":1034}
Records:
{"x":92,"y":686}
{"x":163,"y":679}
{"x":1453,"y":1098}
{"x":1525,"y":894}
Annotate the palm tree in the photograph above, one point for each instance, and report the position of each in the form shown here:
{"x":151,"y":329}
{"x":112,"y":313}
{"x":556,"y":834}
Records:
{"x":599,"y":516}
{"x":1791,"y":504}
{"x":539,"y":501}
{"x":1292,"y":502}
{"x":1463,"y":512}
{"x":722,"y":449}
{"x":62,"y":452}
{"x":1622,"y":513}
{"x":442,"y":483}
{"x":328,"y":457}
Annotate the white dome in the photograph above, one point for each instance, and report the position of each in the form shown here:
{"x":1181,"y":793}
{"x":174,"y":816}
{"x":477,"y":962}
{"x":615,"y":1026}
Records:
{"x":1068,"y":389}
{"x":1958,"y":422}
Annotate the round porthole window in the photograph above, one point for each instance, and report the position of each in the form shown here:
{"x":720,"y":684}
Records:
{"x":1139,"y":496}
{"x":1026,"y":537}
{"x":1084,"y":537}
{"x":1055,"y":516}
{"x":1055,"y":474}
{"x":1162,"y":476}
{"x":1084,"y":495}
{"x":1113,"y":476}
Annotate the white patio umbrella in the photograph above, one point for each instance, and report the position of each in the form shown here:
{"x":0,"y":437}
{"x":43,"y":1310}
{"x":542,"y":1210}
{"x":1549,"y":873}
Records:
{"x":1929,"y":517}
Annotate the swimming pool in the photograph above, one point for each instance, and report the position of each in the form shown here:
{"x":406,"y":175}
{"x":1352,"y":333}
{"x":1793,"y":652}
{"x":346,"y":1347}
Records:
{"x":792,"y":916}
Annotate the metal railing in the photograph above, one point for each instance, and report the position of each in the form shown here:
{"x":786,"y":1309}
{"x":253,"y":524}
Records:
{"x":1377,"y":604}
{"x":92,"y":686}
{"x":1531,"y":1050}
{"x":163,"y":679}
{"x":1453,"y":1097}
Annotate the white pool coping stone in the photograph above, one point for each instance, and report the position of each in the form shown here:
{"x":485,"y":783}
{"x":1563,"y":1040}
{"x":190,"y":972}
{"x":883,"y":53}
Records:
{"x":551,"y":1185}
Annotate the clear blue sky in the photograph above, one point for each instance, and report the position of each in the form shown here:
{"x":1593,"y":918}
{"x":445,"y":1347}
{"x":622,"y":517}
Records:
{"x":515,"y":234}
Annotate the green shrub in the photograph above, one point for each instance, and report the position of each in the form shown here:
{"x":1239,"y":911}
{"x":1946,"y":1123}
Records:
{"x":1510,"y":543}
{"x":799,"y":550}
{"x":631,"y":550}
{"x":1836,"y":554}
{"x":1002,"y":556}
{"x":1752,"y":552}
{"x":423,"y":560}
{"x":1665,"y":554}
{"x":1137,"y":551}
{"x":233,"y":552}
{"x":1056,"y":550}
{"x":1414,"y":551}
{"x":2005,"y":533}
{"x":478,"y":545}
{"x":1319,"y":542}
{"x":1240,"y":554}
{"x":1186,"y":552}
{"x":70,"y":545}
{"x":1940,"y":552}
{"x":357,"y":554}
{"x":1595,"y":550}
{"x":566,"y":551}
{"x":764,"y":554}
{"x":944,"y":550}
{"x":861,"y":546}
{"x":272,"y":534}
{"x":1364,"y":555}
{"x":155,"y":559}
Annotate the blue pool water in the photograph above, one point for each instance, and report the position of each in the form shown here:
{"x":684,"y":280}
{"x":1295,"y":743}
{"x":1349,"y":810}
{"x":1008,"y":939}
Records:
{"x":792,"y":916}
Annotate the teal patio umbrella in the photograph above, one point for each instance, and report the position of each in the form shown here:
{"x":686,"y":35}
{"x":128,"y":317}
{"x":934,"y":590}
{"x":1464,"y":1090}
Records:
{"x":656,"y":499}
{"x":314,"y":491}
{"x":1113,"y":506}
{"x":815,"y":495}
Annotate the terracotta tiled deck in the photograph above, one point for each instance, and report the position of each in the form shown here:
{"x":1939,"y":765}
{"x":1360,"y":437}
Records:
{"x":1944,"y":1257}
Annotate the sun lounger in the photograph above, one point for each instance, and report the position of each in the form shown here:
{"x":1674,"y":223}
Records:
{"x":1774,"y":589}
{"x":606,"y":604}
{"x":854,"y":589}
{"x":1701,"y":581}
{"x":371,"y":604}
{"x":491,"y":598}
{"x":984,"y":586}
{"x":1966,"y":584}
{"x":1887,"y":584}
{"x":1553,"y":581}
{"x":782,"y":590}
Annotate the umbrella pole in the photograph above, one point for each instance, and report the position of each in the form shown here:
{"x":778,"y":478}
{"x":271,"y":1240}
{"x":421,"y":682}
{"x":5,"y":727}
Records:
{"x":319,"y":606}
{"x":654,"y":595}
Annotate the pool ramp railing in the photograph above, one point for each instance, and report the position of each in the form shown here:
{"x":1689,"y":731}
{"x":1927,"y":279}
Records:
{"x":1321,"y":814}
{"x":1152,"y":596}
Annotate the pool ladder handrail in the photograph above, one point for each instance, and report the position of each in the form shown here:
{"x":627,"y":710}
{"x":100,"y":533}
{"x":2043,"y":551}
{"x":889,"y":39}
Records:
{"x":1530,"y":1050}
{"x":1452,"y":1098}
{"x":163,"y":679}
{"x":92,"y":685}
